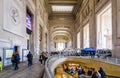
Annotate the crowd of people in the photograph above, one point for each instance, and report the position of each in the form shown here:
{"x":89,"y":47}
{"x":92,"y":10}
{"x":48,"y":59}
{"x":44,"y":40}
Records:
{"x":65,"y":53}
{"x":86,"y":72}
{"x":43,"y":57}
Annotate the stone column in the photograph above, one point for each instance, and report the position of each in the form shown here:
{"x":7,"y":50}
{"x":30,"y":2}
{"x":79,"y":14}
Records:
{"x":74,"y":39}
{"x":81,"y":37}
{"x":92,"y":27}
{"x":37,"y":27}
{"x":48,"y":41}
{"x":32,"y":36}
{"x":116,"y":28}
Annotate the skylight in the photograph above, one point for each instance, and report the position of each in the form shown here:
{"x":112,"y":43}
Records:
{"x":56,"y":8}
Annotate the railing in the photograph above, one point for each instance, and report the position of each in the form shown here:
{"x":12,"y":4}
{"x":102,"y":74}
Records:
{"x":50,"y":74}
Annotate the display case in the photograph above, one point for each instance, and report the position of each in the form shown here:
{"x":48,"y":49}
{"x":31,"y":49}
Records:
{"x":7,"y":54}
{"x":24,"y":54}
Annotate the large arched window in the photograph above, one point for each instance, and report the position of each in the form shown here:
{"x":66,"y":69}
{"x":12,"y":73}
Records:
{"x":104,"y":28}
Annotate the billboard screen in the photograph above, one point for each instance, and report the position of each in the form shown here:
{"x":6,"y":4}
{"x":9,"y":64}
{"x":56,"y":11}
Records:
{"x":28,"y":22}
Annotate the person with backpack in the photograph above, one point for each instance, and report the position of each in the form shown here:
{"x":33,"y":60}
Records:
{"x":13,"y":61}
{"x":16,"y":60}
{"x":30,"y":58}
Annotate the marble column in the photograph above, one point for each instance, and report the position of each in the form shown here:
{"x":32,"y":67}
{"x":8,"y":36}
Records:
{"x":116,"y":28}
{"x":92,"y":27}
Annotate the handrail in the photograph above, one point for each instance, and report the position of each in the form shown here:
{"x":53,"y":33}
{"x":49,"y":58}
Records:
{"x":107,"y":76}
{"x":48,"y":72}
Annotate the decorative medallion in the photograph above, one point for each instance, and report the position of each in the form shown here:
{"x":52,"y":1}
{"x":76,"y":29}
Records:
{"x":14,"y":15}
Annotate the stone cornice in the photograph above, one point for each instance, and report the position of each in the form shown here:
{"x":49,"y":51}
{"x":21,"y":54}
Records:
{"x":77,"y":7}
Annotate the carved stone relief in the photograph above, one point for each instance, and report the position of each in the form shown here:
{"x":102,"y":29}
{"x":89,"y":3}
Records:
{"x":14,"y":14}
{"x":13,"y":20}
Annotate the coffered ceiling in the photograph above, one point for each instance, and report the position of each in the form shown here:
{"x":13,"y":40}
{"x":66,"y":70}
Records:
{"x":64,"y":6}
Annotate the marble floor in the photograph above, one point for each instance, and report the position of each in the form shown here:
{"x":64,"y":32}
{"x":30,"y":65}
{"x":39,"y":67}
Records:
{"x":35,"y":71}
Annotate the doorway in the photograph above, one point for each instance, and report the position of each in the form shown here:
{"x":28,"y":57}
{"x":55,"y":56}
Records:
{"x":60,"y":46}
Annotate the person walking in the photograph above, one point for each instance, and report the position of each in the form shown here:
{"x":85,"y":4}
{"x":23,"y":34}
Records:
{"x":41,"y":58}
{"x":13,"y":61}
{"x":44,"y":57}
{"x":16,"y":59}
{"x":30,"y":58}
{"x":1,"y":63}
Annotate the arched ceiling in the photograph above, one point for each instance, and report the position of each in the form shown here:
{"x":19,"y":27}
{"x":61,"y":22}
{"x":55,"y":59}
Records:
{"x":60,"y":38}
{"x":61,"y":29}
{"x":61,"y":33}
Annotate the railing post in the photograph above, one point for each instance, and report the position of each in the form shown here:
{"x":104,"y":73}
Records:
{"x":116,"y":61}
{"x":107,"y":60}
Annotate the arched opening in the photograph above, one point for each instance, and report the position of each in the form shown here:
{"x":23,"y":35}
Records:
{"x":104,"y":28}
{"x":78,"y":40}
{"x":60,"y":46}
{"x":86,"y":36}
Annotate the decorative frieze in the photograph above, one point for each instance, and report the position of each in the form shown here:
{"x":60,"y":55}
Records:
{"x":85,"y":9}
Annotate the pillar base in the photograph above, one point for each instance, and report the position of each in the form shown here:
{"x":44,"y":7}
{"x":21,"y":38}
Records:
{"x":116,"y":52}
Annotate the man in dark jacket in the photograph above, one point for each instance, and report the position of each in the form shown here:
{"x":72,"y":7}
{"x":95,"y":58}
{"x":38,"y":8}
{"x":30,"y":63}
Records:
{"x":0,"y":59}
{"x":30,"y":58}
{"x":101,"y":71}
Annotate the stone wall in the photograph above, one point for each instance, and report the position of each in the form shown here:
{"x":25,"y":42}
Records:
{"x":87,"y":14}
{"x":12,"y":28}
{"x":13,"y":25}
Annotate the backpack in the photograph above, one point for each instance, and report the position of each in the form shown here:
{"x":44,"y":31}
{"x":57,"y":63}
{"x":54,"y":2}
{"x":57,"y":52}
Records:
{"x":12,"y":59}
{"x":18,"y":57}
